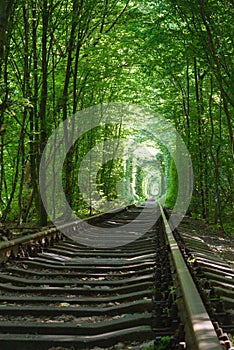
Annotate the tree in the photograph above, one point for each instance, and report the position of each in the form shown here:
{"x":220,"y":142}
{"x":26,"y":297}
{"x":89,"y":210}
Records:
{"x":59,"y":57}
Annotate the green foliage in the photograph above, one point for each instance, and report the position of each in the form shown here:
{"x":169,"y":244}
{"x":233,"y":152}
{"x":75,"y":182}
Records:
{"x":173,"y":187}
{"x":150,"y":347}
{"x":164,"y":343}
{"x":139,"y":182}
{"x":58,"y":58}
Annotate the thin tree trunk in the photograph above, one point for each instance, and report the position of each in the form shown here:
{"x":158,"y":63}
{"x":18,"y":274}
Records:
{"x":200,"y":148}
{"x":188,"y":103}
{"x":216,"y":68}
{"x":29,"y":206}
{"x":26,"y":93}
{"x":43,"y":103}
{"x":16,"y":175}
{"x":5,"y":11}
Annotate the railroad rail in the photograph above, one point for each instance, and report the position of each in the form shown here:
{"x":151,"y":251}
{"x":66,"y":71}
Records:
{"x":55,"y":292}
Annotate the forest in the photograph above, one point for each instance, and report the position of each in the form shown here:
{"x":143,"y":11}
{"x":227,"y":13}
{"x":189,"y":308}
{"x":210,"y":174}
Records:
{"x":59,"y":57}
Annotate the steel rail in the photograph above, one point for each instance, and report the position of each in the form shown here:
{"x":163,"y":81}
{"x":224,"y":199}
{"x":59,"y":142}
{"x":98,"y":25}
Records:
{"x":199,"y":330}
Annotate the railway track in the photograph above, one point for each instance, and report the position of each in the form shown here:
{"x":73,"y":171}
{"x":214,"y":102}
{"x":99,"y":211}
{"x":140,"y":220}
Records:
{"x":57,"y":293}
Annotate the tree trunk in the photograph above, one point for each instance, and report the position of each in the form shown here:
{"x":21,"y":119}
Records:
{"x":200,"y":146}
{"x":43,"y":104}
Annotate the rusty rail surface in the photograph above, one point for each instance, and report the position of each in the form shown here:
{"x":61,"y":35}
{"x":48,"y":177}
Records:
{"x":199,"y":330}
